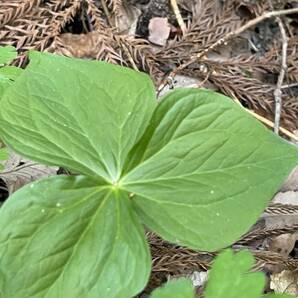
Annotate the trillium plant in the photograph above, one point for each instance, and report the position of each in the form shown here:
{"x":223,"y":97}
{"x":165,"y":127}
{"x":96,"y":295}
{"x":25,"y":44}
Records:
{"x":195,"y":168}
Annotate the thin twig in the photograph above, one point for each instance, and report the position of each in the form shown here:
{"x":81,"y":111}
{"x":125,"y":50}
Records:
{"x":18,"y":168}
{"x":178,"y":16}
{"x":129,"y":57}
{"x":4,"y":189}
{"x":106,"y":11}
{"x":200,"y":84}
{"x":281,"y":76}
{"x":225,"y":39}
{"x":271,"y":124}
{"x":268,"y":122}
{"x":288,"y":86}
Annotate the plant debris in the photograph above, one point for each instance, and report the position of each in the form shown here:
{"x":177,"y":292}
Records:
{"x":159,"y":31}
{"x":19,"y":171}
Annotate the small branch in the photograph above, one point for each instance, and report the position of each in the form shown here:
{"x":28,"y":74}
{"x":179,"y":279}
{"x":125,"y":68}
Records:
{"x":128,"y":55}
{"x":271,"y":124}
{"x":18,"y":168}
{"x":178,"y":16}
{"x":106,"y":11}
{"x":289,"y":86}
{"x":267,"y":122}
{"x":200,"y":84}
{"x":283,"y":69}
{"x":225,"y":39}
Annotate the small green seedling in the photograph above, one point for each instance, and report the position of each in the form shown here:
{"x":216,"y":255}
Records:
{"x":196,"y":169}
{"x":230,"y":277}
{"x":8,"y":74}
{"x":178,"y":288}
{"x":7,"y":55}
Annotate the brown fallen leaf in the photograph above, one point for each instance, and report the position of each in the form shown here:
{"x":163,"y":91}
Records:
{"x":288,"y":197}
{"x":20,"y":171}
{"x":126,"y":19}
{"x":80,"y":45}
{"x":291,"y":184}
{"x":285,"y":282}
{"x":282,"y":244}
{"x":198,"y":278}
{"x":159,"y":31}
{"x":182,"y":81}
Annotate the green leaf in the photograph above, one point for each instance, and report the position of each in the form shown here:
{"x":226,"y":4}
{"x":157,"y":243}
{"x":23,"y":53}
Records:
{"x":179,"y":288}
{"x":3,"y":157}
{"x":4,"y":84}
{"x":72,"y":237}
{"x":205,"y":169}
{"x":230,"y":277}
{"x":10,"y":72}
{"x":7,"y":54}
{"x":3,"y":154}
{"x":82,"y":115}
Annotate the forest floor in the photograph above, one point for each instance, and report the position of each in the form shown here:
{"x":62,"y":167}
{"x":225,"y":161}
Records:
{"x":245,"y":49}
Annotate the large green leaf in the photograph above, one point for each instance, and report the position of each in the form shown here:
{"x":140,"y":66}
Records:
{"x":71,"y":237}
{"x":179,"y":288}
{"x":83,"y":115}
{"x":205,"y":169}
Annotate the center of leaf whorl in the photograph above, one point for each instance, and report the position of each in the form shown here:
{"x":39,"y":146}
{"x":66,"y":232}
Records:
{"x":115,"y":185}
